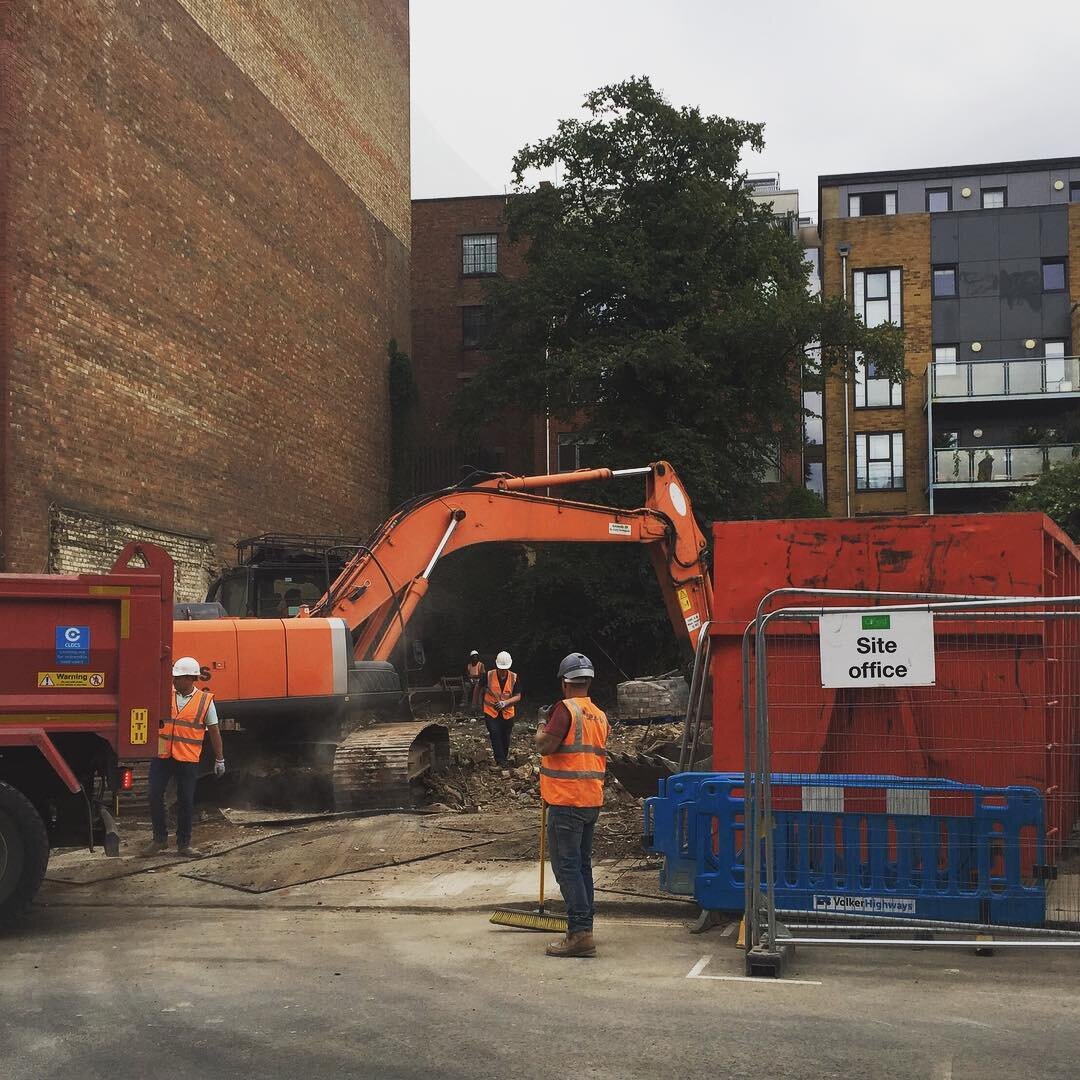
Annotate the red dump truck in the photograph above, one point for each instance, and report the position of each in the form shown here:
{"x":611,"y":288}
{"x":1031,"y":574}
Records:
{"x":84,"y":679}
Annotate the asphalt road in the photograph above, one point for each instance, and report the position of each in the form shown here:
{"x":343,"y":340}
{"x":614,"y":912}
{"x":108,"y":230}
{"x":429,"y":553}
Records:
{"x":296,"y":995}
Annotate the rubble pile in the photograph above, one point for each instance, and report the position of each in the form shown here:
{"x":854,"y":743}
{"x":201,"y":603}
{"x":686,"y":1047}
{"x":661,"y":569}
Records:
{"x":472,"y":784}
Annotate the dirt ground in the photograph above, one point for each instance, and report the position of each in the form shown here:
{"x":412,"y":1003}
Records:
{"x":472,"y":784}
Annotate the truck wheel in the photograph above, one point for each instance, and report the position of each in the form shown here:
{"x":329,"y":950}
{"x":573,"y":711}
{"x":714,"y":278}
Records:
{"x":24,"y":852}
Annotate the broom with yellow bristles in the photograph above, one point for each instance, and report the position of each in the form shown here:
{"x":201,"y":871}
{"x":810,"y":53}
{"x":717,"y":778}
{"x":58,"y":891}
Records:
{"x":539,"y":919}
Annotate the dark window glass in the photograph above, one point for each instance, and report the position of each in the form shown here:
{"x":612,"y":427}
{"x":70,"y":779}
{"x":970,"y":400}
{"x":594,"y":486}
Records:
{"x":872,"y":204}
{"x":1053,"y":271}
{"x":573,"y":451}
{"x":815,"y":478}
{"x":475,"y":327}
{"x":944,"y":281}
{"x":1074,"y":191}
{"x":480,"y":254}
{"x":994,"y":198}
{"x":938,"y":200}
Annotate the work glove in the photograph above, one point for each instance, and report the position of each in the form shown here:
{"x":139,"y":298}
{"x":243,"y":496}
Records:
{"x":219,"y":767}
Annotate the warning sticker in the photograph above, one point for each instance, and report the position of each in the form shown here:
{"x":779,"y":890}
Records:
{"x":866,"y":905}
{"x":684,"y":600}
{"x":617,"y":528}
{"x":140,"y":726}
{"x":693,"y":623}
{"x":71,"y":680}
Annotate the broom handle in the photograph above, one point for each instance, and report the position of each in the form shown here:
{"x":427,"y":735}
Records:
{"x":543,"y":852}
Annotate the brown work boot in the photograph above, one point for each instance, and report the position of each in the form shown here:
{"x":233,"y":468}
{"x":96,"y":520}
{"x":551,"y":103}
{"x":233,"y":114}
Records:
{"x":153,"y":847}
{"x":578,"y":943}
{"x":189,"y":852}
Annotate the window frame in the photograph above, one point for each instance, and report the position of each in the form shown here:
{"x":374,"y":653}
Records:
{"x":884,"y":198}
{"x":465,"y":273}
{"x":941,"y":268}
{"x":1074,"y":191}
{"x":984,"y":191}
{"x":955,"y":346}
{"x":896,"y":389}
{"x":946,"y":191}
{"x":480,"y":344}
{"x":865,"y":436}
{"x":1055,"y":261}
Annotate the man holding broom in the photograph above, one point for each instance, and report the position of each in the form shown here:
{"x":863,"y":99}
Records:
{"x":572,"y":744}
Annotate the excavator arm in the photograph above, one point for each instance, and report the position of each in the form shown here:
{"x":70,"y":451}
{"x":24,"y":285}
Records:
{"x":381,"y":587}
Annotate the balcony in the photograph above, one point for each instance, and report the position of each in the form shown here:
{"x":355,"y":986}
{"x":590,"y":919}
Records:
{"x":1005,"y":380}
{"x":999,"y":466}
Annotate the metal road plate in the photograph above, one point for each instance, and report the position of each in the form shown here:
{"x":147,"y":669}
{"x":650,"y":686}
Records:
{"x":325,"y":851}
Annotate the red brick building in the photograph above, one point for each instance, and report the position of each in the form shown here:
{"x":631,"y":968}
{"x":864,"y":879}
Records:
{"x":458,"y":245}
{"x":204,"y":250}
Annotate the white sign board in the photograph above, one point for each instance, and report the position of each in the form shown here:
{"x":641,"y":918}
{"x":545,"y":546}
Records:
{"x":877,"y":648}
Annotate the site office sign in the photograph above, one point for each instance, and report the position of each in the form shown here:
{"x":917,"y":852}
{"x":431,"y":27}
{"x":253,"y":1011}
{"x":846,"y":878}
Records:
{"x":875,"y":648}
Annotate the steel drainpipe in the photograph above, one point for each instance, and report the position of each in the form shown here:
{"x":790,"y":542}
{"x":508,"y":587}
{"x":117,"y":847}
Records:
{"x":847,"y":405}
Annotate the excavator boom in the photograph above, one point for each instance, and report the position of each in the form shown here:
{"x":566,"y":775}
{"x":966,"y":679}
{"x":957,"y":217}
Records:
{"x":382,"y":585}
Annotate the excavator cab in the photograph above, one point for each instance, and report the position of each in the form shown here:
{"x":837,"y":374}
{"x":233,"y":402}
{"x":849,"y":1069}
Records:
{"x":277,"y":573}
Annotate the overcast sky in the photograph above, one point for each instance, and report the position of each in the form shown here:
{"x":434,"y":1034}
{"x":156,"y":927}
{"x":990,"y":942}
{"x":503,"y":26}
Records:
{"x":841,"y":87}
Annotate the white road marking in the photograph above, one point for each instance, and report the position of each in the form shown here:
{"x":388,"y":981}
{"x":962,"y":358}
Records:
{"x":696,"y":973}
{"x":729,"y":929}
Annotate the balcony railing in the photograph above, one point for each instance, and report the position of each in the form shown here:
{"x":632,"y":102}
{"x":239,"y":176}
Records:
{"x":1028,"y":377}
{"x":1000,"y":464}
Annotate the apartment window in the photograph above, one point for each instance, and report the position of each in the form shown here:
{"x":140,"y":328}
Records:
{"x":1054,"y":364}
{"x":879,"y":461}
{"x":877,"y":298}
{"x":994,"y":198}
{"x":815,"y":478}
{"x":770,"y":466}
{"x":480,"y":254}
{"x":570,"y":446}
{"x":813,"y":428}
{"x":938,"y":200}
{"x":944,"y":281}
{"x":1053,"y":271}
{"x":475,"y":327}
{"x":944,"y":360}
{"x":872,"y":204}
{"x":1074,"y":191}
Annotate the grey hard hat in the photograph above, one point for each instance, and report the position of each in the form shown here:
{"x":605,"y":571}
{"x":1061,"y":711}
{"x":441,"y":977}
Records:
{"x":576,"y":666}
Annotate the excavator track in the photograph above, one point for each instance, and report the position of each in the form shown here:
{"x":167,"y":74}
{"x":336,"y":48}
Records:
{"x":374,"y":767}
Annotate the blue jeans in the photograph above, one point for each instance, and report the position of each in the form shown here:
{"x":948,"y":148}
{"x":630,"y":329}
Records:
{"x":569,"y":836}
{"x":499,"y":732}
{"x":186,"y":773}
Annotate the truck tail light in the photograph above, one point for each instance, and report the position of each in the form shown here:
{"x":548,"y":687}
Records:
{"x":126,"y":779}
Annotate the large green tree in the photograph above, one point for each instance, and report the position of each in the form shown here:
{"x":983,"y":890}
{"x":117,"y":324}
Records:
{"x":1057,"y":494}
{"x":666,"y":314}
{"x":663,"y":308}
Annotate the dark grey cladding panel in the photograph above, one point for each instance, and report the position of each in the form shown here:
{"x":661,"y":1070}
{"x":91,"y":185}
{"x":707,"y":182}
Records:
{"x":945,"y":318}
{"x":979,"y":279}
{"x":1020,"y":279}
{"x":980,"y":320}
{"x":1018,"y":235}
{"x":1023,"y":318}
{"x":944,"y":233}
{"x":978,"y":236}
{"x":1054,"y":227}
{"x":1056,"y":309}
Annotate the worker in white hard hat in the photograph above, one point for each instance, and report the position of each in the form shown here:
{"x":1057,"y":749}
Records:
{"x":475,"y":677}
{"x":502,"y":692}
{"x":180,"y":742}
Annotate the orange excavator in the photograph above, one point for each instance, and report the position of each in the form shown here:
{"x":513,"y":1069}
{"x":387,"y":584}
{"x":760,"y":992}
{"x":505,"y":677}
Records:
{"x":321,"y":677}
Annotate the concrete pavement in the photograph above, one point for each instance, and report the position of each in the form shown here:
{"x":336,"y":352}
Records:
{"x":122,"y":992}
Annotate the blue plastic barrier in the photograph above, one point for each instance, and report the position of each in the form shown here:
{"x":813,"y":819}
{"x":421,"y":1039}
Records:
{"x":868,"y":845}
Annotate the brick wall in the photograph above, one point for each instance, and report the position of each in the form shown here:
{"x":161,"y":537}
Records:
{"x":902,"y":241}
{"x":439,"y":292}
{"x":206,"y":251}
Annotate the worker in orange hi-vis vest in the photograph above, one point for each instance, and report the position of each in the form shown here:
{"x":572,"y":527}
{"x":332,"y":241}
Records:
{"x":475,"y":678}
{"x":180,"y":742}
{"x":502,"y":691}
{"x":573,"y":747}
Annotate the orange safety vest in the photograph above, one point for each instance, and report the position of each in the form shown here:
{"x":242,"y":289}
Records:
{"x":573,"y":775}
{"x":182,"y":736}
{"x":493,"y":692}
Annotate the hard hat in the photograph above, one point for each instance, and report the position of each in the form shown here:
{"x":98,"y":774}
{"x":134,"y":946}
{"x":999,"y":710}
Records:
{"x":186,"y":665}
{"x":474,"y":653}
{"x":576,"y":666}
{"x":503,"y":660}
